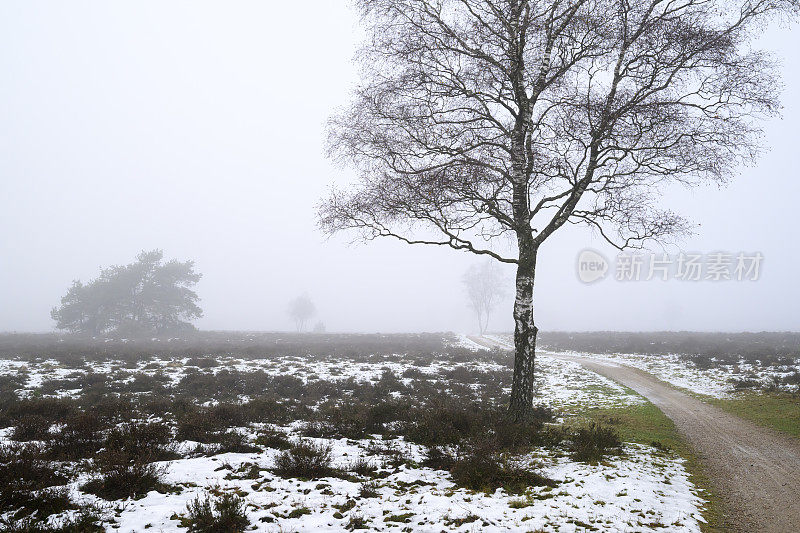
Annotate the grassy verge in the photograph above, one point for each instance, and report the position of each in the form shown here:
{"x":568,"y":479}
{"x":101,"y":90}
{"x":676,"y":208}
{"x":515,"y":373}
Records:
{"x":646,"y":424}
{"x":776,"y":410}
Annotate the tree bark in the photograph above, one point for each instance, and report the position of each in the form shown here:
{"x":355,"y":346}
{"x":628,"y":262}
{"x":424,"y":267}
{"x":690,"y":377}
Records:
{"x":525,"y":332}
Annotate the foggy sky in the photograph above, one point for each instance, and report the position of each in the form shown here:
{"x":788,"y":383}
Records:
{"x":198,"y":128}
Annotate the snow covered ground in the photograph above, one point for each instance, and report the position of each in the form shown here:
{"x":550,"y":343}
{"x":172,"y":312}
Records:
{"x":713,"y":382}
{"x":560,"y":384}
{"x":642,"y":489}
{"x":567,"y":385}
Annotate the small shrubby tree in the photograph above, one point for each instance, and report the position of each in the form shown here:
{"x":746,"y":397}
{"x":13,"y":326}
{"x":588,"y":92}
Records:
{"x":482,"y":122}
{"x":227,"y":513}
{"x":485,"y":286}
{"x":147,"y":297}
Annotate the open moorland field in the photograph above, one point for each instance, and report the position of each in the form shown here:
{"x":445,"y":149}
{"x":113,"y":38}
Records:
{"x":284,"y":432}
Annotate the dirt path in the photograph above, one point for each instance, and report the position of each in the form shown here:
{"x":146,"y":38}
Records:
{"x":755,"y":471}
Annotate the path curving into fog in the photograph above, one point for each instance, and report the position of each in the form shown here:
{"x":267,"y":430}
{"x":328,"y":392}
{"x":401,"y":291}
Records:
{"x":754,"y":470}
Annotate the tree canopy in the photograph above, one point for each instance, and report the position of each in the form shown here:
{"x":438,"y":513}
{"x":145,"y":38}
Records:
{"x":147,"y":297}
{"x":477,"y":118}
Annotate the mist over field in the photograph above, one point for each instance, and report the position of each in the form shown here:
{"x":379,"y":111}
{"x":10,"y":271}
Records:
{"x":198,"y":128}
{"x":399,"y":266}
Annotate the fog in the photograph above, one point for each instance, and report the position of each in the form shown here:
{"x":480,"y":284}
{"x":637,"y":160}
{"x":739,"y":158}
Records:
{"x":198,"y":128}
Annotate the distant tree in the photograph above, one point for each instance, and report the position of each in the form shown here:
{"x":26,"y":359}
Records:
{"x":301,"y":310}
{"x":482,"y":123}
{"x":147,"y":297}
{"x":319,"y":327}
{"x":485,"y":286}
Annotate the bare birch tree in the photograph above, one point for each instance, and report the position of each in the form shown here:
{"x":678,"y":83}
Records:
{"x":485,"y":286}
{"x":301,"y":310}
{"x":480,"y":119}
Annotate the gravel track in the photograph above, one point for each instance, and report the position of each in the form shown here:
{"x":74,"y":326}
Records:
{"x":754,"y":470}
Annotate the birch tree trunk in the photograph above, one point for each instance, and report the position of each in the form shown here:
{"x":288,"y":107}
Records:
{"x":525,"y":332}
